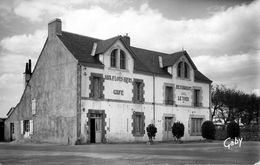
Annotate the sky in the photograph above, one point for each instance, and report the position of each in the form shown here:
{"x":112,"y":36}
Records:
{"x":221,"y":36}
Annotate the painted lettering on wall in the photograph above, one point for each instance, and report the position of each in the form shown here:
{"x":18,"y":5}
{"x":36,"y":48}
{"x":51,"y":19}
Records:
{"x":118,"y":78}
{"x":183,"y":94}
{"x":183,"y":87}
{"x":118,"y":92}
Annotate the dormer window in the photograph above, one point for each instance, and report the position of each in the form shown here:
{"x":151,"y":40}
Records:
{"x":113,"y":58}
{"x":122,"y":59}
{"x":118,"y":59}
{"x":183,"y":70}
{"x":179,"y":70}
{"x":186,"y":70}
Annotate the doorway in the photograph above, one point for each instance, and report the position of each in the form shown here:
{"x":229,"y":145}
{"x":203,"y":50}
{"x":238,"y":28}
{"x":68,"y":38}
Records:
{"x":168,"y":127}
{"x":96,"y":127}
{"x":11,"y":131}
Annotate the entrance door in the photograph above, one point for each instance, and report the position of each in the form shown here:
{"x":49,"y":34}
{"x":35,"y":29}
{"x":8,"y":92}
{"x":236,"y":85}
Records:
{"x":92,"y":131}
{"x":168,"y":127}
{"x":96,"y":123}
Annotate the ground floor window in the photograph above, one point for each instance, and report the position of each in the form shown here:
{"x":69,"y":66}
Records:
{"x":12,"y":127}
{"x":196,"y":126}
{"x":26,"y":126}
{"x":138,"y":124}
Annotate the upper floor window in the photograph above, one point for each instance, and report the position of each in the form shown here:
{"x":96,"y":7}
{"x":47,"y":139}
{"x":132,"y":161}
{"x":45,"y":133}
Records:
{"x":118,"y":59}
{"x":138,"y":91}
{"x":197,"y":102}
{"x":96,"y":86}
{"x":122,"y":59}
{"x":183,"y":70}
{"x":169,"y":95}
{"x":113,"y":58}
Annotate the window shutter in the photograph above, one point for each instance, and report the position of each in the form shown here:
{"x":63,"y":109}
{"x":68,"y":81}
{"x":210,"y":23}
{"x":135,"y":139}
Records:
{"x":134,"y":125}
{"x":22,"y":127}
{"x":33,"y":106}
{"x":143,"y":125}
{"x":31,"y":127}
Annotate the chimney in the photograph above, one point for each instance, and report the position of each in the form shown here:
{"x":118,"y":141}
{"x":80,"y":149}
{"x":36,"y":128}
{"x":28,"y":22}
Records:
{"x":54,"y":28}
{"x":127,"y":39}
{"x":27,"y":73}
{"x":30,"y":66}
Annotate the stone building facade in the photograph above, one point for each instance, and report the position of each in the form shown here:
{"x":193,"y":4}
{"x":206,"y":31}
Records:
{"x":86,"y":90}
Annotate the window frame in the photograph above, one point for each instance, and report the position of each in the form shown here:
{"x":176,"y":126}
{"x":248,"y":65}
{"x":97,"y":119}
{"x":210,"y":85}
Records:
{"x":140,"y":125}
{"x":186,"y":70}
{"x":92,"y":88}
{"x":138,"y":91}
{"x":169,"y":100}
{"x":196,"y":124}
{"x":183,"y":70}
{"x":179,"y":69}
{"x":122,"y":59}
{"x":12,"y":128}
{"x":196,"y":97}
{"x":26,"y":126}
{"x":113,"y":58}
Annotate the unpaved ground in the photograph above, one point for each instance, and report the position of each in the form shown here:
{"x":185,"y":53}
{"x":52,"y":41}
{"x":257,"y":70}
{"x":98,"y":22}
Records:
{"x":117,"y":154}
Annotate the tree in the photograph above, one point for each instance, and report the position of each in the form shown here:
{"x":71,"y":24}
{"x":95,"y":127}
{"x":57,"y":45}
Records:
{"x":217,"y":93}
{"x":233,"y":130}
{"x":178,"y":130}
{"x":208,"y":130}
{"x":151,"y":132}
{"x":234,"y":105}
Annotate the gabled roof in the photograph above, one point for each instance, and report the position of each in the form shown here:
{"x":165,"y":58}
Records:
{"x":104,"y":45}
{"x":171,"y":59}
{"x":201,"y":77}
{"x":80,"y":46}
{"x":150,"y":60}
{"x":144,"y":60}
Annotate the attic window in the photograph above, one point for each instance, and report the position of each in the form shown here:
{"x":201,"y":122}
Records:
{"x":179,"y":70}
{"x":183,"y":70}
{"x":118,"y":59}
{"x":186,"y":70}
{"x":113,"y":58}
{"x":122,"y":59}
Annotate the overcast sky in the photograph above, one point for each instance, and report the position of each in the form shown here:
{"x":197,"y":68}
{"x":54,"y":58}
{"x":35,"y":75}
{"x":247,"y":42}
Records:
{"x":221,"y":36}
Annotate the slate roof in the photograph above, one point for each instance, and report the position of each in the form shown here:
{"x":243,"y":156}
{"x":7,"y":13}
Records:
{"x":146,"y":61}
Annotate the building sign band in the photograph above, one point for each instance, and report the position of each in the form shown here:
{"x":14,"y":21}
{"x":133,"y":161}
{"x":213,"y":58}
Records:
{"x":119,"y":78}
{"x":183,"y":94}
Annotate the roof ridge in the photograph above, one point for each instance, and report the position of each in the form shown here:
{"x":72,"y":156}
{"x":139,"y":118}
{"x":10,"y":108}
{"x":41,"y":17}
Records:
{"x":150,"y":50}
{"x":82,"y":35}
{"x":181,"y":51}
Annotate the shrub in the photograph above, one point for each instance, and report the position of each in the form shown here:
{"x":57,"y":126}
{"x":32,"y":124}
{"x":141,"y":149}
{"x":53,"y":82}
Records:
{"x":208,"y":130}
{"x":178,"y":130}
{"x":151,"y":132}
{"x":233,"y":130}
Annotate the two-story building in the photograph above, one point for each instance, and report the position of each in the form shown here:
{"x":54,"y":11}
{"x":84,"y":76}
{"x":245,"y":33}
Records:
{"x":87,"y":90}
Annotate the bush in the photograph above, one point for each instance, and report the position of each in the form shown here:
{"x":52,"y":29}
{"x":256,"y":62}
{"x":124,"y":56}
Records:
{"x":208,"y":130}
{"x":233,"y":130}
{"x":151,"y":132}
{"x":178,"y":130}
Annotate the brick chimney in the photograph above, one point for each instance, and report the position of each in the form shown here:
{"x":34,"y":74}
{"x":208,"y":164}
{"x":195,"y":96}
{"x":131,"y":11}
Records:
{"x":28,"y":72}
{"x":127,"y":39}
{"x":54,"y":28}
